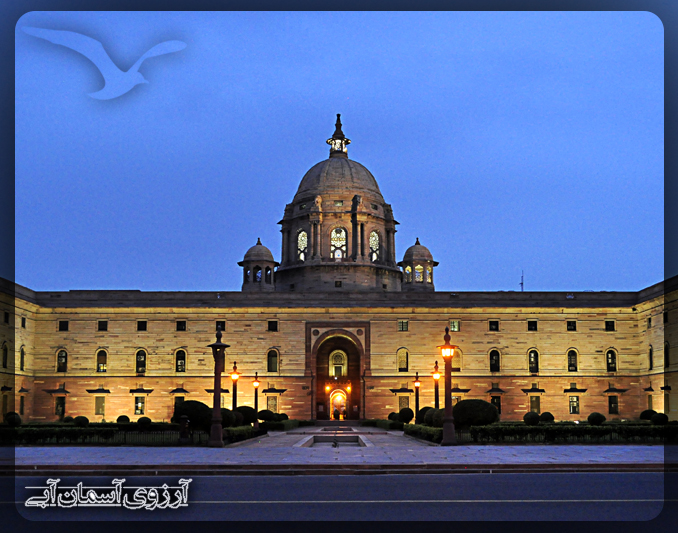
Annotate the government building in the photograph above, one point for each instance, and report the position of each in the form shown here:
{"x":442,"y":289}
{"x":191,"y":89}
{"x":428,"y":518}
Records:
{"x":340,"y":321}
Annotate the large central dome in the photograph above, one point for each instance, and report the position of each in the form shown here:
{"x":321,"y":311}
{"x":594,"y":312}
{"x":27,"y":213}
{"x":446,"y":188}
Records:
{"x":338,"y":175}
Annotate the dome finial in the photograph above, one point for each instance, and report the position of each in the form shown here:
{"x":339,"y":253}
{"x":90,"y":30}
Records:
{"x":258,"y":241}
{"x":417,"y":242}
{"x":338,"y":142}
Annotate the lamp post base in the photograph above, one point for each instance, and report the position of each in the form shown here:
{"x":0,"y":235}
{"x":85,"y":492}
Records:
{"x":449,"y":436}
{"x":216,"y":437}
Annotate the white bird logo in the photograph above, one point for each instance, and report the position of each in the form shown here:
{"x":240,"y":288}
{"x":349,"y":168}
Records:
{"x":116,"y":81}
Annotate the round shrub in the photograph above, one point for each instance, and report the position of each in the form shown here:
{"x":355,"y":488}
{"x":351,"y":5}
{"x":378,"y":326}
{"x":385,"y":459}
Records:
{"x":123,"y":419}
{"x":227,"y":418}
{"x":249,"y":415}
{"x":81,"y":421}
{"x":428,"y":417}
{"x":438,"y":418}
{"x":659,"y":419}
{"x":419,"y":419}
{"x":468,"y":413}
{"x":12,"y":419}
{"x":238,"y":418}
{"x":405,"y":415}
{"x":546,"y":417}
{"x":393,"y":416}
{"x":266,"y":416}
{"x":283,"y":416}
{"x":144,"y":422}
{"x":67,"y":420}
{"x":647,"y":414}
{"x":531,"y":418}
{"x":199,"y":415}
{"x":596,"y":419}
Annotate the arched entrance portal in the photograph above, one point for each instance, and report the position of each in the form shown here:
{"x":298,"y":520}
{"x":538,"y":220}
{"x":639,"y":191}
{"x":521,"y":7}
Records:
{"x":338,"y":384}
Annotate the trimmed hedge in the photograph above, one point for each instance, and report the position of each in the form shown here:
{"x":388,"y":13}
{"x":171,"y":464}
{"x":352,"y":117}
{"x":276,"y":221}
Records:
{"x":659,"y":419}
{"x":424,"y":432}
{"x":546,"y":417}
{"x":370,"y":423}
{"x":419,"y":419}
{"x":405,"y":415}
{"x":249,"y":415}
{"x":390,"y":424}
{"x":468,"y":413}
{"x":68,"y":420}
{"x":241,"y":433}
{"x":531,"y":418}
{"x":283,"y":425}
{"x":596,"y":419}
{"x":392,"y":416}
{"x":266,"y":415}
{"x":306,"y":423}
{"x":647,"y":414}
{"x":199,"y":414}
{"x":12,"y":419}
{"x":81,"y":421}
{"x":122,"y":419}
{"x":144,"y":423}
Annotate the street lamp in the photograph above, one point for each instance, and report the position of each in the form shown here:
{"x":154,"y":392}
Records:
{"x":216,"y":432}
{"x":417,"y":384}
{"x":436,"y":378}
{"x":447,"y":350}
{"x":234,"y":377}
{"x":256,"y":384}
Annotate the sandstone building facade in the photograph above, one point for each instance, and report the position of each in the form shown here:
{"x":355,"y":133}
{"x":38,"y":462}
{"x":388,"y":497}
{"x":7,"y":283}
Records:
{"x":340,"y":323}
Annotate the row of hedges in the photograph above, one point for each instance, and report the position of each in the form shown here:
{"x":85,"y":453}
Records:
{"x":390,"y":424}
{"x":573,"y":433}
{"x":284,"y":425}
{"x":424,"y":432}
{"x":238,"y":434}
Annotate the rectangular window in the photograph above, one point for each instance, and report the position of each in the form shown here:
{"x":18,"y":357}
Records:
{"x":142,"y":325}
{"x":181,"y":325}
{"x":23,"y":324}
{"x":102,"y":325}
{"x":338,"y":203}
{"x":403,"y":325}
{"x":574,"y":405}
{"x":494,"y":361}
{"x":60,"y":406}
{"x":573,"y":385}
{"x":649,"y":402}
{"x":531,"y":325}
{"x":571,"y":361}
{"x":21,"y":405}
{"x":613,"y":402}
{"x":609,"y":325}
{"x":221,"y":325}
{"x":63,"y":324}
{"x":494,"y":325}
{"x":571,"y":325}
{"x":649,"y":322}
{"x":534,"y":404}
{"x":7,"y":317}
{"x":496,"y":401}
{"x":272,"y":325}
{"x":337,"y":371}
{"x":99,"y":405}
{"x":533,"y":362}
{"x":139,"y":405}
{"x":455,"y":325}
{"x":403,"y":402}
{"x":141,"y":362}
{"x":272,"y":403}
{"x":178,"y":400}
{"x":101,"y":361}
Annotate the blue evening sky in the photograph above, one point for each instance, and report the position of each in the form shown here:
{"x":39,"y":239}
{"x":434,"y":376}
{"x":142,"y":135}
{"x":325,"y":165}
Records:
{"x":505,"y":141}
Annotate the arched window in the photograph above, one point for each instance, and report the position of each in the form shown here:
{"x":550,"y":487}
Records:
{"x":338,"y":248}
{"x":429,"y":274}
{"x":338,"y":364}
{"x":302,"y":245}
{"x":272,"y":361}
{"x":533,"y":361}
{"x":141,"y":362}
{"x":571,"y":361}
{"x":494,"y":361}
{"x":374,"y":246}
{"x":268,"y":275}
{"x":650,"y":362}
{"x":667,"y":358}
{"x":257,"y":274}
{"x":5,"y":355}
{"x":403,"y":357}
{"x":419,"y":274}
{"x":611,"y":361}
{"x":102,"y":358}
{"x":180,"y":361}
{"x":408,"y":274}
{"x":22,"y":358}
{"x":62,"y":361}
{"x":246,"y":275}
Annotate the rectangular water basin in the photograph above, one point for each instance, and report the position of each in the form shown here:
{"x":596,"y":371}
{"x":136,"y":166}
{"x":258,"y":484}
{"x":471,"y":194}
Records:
{"x":323,"y":441}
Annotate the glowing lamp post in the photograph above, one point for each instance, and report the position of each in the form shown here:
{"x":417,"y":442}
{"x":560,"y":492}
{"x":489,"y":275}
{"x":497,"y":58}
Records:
{"x":216,"y":432}
{"x":436,"y":378}
{"x":417,"y":384}
{"x":256,"y":384}
{"x":234,"y":377}
{"x":447,"y":351}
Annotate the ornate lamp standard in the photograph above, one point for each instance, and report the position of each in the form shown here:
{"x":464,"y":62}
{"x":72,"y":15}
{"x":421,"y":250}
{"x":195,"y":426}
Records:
{"x":417,"y":384}
{"x":256,"y":384}
{"x":436,"y":378}
{"x":447,"y":350}
{"x":216,"y":432}
{"x":234,"y":377}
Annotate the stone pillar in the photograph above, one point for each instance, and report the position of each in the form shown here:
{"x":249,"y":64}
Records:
{"x":285,"y":238}
{"x":362,"y":240}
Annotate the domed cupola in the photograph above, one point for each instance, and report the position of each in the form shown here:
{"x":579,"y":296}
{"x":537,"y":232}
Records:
{"x":418,"y":266}
{"x":338,"y":232}
{"x":258,"y":269}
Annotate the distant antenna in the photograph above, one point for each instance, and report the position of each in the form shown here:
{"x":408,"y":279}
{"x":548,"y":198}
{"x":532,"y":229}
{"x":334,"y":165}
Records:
{"x":522,"y":282}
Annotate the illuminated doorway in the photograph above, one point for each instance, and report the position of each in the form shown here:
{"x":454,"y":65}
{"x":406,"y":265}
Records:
{"x":338,"y":403}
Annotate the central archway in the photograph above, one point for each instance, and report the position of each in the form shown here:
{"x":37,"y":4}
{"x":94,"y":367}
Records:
{"x":338,"y":404}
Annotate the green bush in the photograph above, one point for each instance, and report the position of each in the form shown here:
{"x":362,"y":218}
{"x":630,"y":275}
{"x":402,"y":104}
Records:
{"x":531,"y":418}
{"x":371,"y":423}
{"x":659,"y":419}
{"x":283,"y":416}
{"x":81,"y":421}
{"x":392,"y":416}
{"x":199,"y":415}
{"x":424,"y":432}
{"x":546,"y":417}
{"x":306,"y":423}
{"x":249,"y":415}
{"x":67,"y":420}
{"x":596,"y":419}
{"x":144,"y":423}
{"x":238,"y":419}
{"x":238,"y":434}
{"x":405,"y":415}
{"x":469,"y":413}
{"x":647,"y":414}
{"x":419,"y":418}
{"x":438,"y":418}
{"x":227,"y":418}
{"x":428,"y":417}
{"x":266,"y":416}
{"x":12,"y":419}
{"x":390,"y":424}
{"x":122,"y":419}
{"x":283,"y":425}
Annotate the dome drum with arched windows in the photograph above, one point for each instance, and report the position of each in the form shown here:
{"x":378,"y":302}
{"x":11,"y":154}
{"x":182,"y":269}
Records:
{"x":258,"y":269}
{"x":418,"y":267}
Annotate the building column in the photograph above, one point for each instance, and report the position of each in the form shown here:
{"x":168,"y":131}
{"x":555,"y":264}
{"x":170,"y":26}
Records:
{"x":362,"y":240}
